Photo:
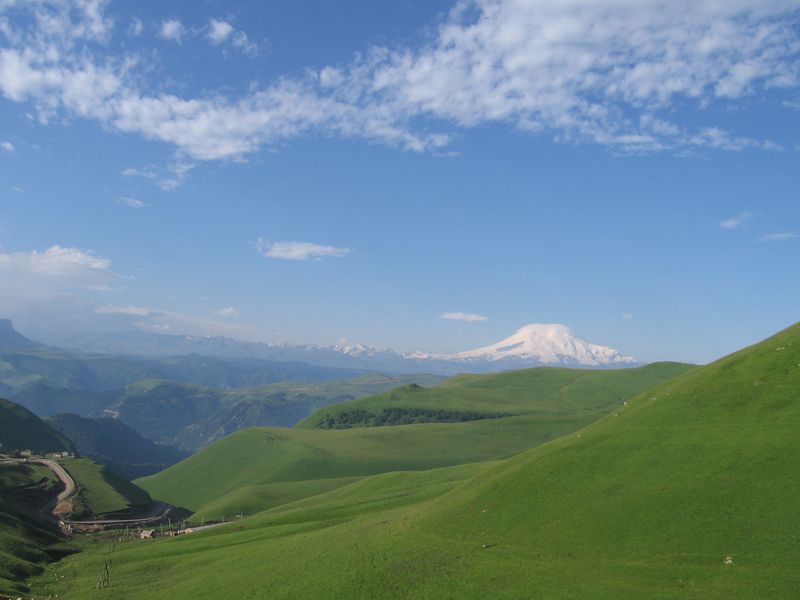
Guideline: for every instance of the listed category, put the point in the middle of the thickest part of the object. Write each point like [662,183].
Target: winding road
[158,510]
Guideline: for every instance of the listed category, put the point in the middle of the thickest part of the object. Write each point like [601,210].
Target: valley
[456,481]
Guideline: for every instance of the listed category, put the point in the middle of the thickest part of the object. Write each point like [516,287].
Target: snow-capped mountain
[530,346]
[548,344]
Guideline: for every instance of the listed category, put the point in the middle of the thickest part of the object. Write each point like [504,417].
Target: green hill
[543,391]
[688,491]
[546,403]
[27,541]
[26,545]
[20,429]
[100,491]
[262,456]
[112,443]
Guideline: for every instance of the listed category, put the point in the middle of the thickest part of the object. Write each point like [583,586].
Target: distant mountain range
[530,346]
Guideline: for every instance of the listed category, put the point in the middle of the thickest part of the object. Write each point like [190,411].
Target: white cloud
[56,262]
[228,311]
[219,31]
[736,222]
[133,311]
[463,316]
[52,282]
[131,202]
[244,43]
[17,189]
[778,237]
[172,30]
[298,250]
[8,147]
[627,316]
[613,72]
[144,173]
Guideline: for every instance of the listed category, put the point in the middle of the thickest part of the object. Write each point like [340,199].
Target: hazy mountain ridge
[111,442]
[530,346]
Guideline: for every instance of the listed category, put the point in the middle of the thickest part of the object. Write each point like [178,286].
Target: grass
[549,403]
[688,491]
[100,490]
[543,391]
[25,545]
[266,455]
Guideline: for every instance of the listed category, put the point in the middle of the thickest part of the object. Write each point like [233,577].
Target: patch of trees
[359,417]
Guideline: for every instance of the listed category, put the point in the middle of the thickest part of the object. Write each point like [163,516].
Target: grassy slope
[542,391]
[646,503]
[20,429]
[100,490]
[556,402]
[24,545]
[260,456]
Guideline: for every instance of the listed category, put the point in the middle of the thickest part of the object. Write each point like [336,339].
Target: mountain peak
[548,343]
[13,341]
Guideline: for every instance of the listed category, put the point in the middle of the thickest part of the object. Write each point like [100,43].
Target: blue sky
[312,171]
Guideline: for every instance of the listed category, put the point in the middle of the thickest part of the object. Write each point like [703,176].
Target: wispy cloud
[228,311]
[610,73]
[172,30]
[778,237]
[736,222]
[136,27]
[8,147]
[627,316]
[131,202]
[147,173]
[133,311]
[298,250]
[463,316]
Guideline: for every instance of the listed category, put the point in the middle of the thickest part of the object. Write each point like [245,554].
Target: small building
[146,534]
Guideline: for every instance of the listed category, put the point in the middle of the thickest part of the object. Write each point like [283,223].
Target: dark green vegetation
[687,491]
[110,442]
[20,429]
[358,417]
[542,392]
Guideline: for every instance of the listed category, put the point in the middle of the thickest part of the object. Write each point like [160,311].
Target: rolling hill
[20,429]
[26,545]
[527,408]
[543,391]
[100,491]
[27,541]
[688,491]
